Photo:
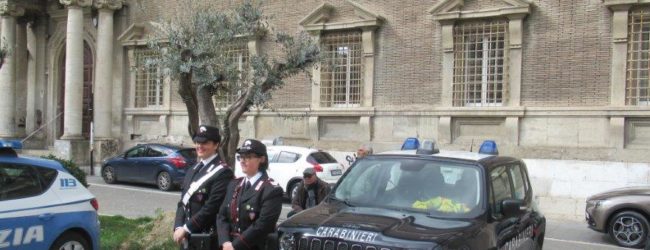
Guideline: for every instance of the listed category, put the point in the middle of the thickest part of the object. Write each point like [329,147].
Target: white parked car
[286,164]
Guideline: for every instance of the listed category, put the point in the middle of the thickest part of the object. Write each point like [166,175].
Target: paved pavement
[132,200]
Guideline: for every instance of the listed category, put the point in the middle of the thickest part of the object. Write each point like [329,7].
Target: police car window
[518,182]
[18,182]
[288,157]
[414,185]
[47,176]
[136,152]
[501,189]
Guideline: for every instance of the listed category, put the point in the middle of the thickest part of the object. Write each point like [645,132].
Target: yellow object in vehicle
[441,204]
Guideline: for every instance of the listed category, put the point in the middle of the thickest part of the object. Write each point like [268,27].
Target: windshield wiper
[345,201]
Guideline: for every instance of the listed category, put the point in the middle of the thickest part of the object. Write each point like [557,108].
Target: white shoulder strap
[198,183]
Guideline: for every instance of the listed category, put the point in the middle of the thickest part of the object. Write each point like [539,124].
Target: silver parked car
[621,213]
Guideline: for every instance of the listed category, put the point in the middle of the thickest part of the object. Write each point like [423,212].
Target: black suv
[407,200]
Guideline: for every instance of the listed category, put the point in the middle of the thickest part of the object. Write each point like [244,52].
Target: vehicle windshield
[437,188]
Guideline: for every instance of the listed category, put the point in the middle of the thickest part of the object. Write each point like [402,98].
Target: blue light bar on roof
[411,143]
[15,144]
[489,147]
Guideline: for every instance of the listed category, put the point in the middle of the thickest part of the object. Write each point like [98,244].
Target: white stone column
[103,87]
[21,77]
[74,64]
[36,42]
[8,13]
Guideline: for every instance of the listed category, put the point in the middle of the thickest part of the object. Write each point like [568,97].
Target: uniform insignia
[259,185]
[211,167]
[251,215]
[248,207]
[202,129]
[273,182]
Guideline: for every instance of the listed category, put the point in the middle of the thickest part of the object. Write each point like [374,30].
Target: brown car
[622,213]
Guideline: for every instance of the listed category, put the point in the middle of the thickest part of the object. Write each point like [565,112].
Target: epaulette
[272,182]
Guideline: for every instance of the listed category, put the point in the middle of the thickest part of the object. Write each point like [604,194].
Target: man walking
[203,191]
[310,193]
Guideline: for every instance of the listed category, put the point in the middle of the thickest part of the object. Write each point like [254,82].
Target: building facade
[545,79]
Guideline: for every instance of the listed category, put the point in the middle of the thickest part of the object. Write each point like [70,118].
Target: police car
[42,206]
[424,199]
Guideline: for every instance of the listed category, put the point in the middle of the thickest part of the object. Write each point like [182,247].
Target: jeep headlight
[287,242]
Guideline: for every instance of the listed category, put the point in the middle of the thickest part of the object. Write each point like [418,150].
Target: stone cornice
[452,10]
[9,8]
[614,3]
[77,3]
[108,4]
[317,20]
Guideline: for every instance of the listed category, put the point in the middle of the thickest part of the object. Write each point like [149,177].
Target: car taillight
[95,204]
[178,161]
[318,168]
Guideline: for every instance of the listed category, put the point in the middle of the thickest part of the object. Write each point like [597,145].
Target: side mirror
[512,207]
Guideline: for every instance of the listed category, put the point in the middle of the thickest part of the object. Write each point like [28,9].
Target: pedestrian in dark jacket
[311,192]
[253,203]
[203,190]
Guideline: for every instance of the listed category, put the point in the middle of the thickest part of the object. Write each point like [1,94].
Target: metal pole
[92,148]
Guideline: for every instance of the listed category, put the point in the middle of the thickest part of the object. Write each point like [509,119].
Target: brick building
[545,79]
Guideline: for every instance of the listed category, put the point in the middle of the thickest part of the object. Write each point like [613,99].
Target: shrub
[71,167]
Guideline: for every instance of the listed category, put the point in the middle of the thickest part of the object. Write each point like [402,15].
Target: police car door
[523,192]
[505,228]
[507,190]
[25,217]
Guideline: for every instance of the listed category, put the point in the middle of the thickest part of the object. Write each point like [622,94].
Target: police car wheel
[629,229]
[108,174]
[164,181]
[70,241]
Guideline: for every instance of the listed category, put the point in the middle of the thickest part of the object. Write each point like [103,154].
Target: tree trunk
[207,113]
[230,140]
[188,93]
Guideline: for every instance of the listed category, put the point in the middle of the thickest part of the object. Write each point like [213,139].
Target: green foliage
[71,167]
[195,46]
[118,232]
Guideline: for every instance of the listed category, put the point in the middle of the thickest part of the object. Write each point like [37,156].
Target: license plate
[336,172]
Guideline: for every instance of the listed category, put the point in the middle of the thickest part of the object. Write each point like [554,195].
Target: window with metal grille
[636,88]
[238,54]
[341,71]
[148,79]
[480,63]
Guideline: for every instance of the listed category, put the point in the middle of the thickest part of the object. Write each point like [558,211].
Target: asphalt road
[133,200]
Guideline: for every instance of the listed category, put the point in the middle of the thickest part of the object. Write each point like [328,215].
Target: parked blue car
[160,164]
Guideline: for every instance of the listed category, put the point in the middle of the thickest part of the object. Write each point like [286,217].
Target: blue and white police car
[42,206]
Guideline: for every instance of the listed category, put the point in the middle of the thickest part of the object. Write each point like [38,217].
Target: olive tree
[193,47]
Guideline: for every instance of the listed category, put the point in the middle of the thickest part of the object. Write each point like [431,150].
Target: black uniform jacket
[203,205]
[247,218]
